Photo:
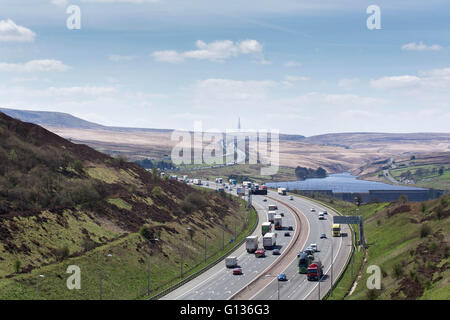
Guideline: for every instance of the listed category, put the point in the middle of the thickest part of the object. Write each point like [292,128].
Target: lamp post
[37,285]
[332,260]
[101,274]
[278,284]
[148,269]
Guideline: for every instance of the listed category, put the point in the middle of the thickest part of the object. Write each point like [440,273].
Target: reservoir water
[340,182]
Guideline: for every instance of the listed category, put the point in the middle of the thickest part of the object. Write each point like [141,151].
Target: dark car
[282,214]
[323,236]
[237,271]
[287,234]
[276,252]
[290,228]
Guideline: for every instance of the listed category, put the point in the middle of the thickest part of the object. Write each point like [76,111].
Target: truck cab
[315,271]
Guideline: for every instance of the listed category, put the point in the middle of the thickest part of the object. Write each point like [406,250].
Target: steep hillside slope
[62,202]
[409,241]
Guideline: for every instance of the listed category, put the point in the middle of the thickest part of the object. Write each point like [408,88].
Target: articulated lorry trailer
[251,243]
[269,240]
[271,216]
[266,227]
[277,221]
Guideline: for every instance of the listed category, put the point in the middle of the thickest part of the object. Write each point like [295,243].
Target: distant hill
[48,118]
[352,139]
[64,120]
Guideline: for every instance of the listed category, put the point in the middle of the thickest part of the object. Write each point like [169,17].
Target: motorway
[218,283]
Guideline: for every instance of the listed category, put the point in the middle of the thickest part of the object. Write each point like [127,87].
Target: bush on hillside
[425,230]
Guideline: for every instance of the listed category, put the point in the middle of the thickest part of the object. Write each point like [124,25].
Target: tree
[441,171]
[145,232]
[155,174]
[358,200]
[403,199]
[17,266]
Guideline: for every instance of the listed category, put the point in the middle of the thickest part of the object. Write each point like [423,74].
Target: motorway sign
[347,219]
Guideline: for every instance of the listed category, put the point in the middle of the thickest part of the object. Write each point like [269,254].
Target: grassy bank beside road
[125,272]
[409,242]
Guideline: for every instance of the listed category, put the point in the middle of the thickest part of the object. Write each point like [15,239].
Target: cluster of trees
[423,172]
[303,173]
[149,164]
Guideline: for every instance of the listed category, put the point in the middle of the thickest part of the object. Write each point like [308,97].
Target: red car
[237,271]
[260,253]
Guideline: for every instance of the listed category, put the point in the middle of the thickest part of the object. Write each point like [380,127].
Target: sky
[300,67]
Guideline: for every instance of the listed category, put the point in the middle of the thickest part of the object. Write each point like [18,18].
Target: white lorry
[271,216]
[269,240]
[197,182]
[277,221]
[282,191]
[231,262]
[251,243]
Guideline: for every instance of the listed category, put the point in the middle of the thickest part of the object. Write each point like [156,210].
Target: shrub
[187,207]
[397,270]
[17,266]
[145,232]
[423,207]
[373,294]
[155,174]
[88,245]
[63,253]
[157,191]
[425,230]
[196,200]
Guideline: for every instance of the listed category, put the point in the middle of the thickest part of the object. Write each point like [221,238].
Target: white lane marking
[221,270]
[332,261]
[290,263]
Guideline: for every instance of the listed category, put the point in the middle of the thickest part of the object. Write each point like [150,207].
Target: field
[244,171]
[335,153]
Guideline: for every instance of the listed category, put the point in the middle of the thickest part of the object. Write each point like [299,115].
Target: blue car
[282,277]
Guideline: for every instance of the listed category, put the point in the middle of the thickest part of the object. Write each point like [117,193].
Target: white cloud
[291,64]
[118,58]
[170,56]
[34,66]
[216,51]
[11,32]
[436,78]
[396,82]
[79,90]
[60,2]
[119,1]
[348,82]
[413,46]
[227,93]
[295,78]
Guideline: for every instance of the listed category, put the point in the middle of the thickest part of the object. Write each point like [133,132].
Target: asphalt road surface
[218,283]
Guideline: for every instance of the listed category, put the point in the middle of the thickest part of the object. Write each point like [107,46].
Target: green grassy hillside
[409,241]
[65,204]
